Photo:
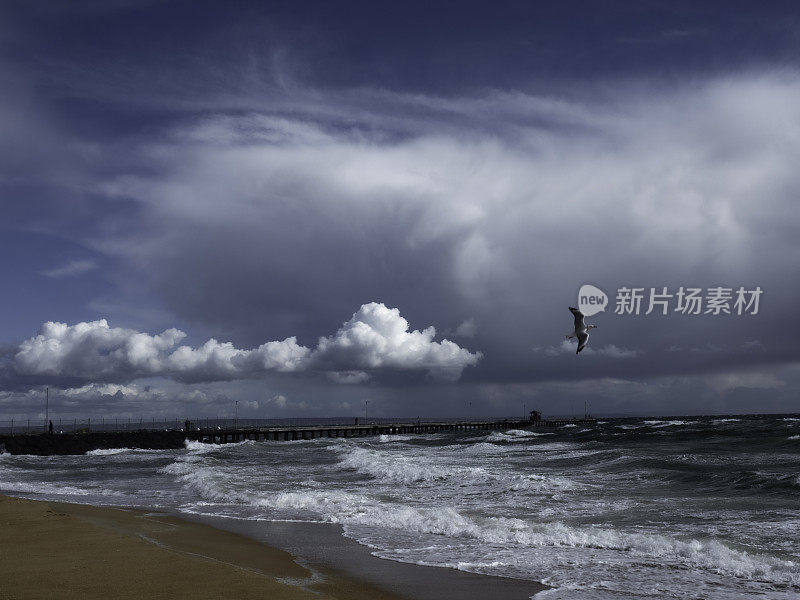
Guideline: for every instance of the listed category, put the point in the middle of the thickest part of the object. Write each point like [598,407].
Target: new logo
[591,300]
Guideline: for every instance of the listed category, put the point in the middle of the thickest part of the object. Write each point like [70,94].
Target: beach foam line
[712,555]
[47,490]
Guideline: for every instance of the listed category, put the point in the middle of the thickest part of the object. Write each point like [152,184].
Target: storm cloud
[499,228]
[263,173]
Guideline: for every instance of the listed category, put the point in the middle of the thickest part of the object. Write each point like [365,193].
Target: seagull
[581,329]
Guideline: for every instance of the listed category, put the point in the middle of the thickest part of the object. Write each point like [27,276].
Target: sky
[305,207]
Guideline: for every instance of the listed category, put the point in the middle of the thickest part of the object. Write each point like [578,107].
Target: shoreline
[57,549]
[325,546]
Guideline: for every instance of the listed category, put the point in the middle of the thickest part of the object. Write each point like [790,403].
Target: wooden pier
[286,434]
[82,442]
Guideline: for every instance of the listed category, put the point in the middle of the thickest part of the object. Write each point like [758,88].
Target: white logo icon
[591,300]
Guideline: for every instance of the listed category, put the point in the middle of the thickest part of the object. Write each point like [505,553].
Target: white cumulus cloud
[375,337]
[379,337]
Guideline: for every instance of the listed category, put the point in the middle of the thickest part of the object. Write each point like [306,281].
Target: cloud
[461,205]
[753,346]
[723,382]
[466,328]
[71,269]
[278,400]
[102,389]
[614,352]
[378,337]
[375,337]
[470,206]
[349,376]
[567,347]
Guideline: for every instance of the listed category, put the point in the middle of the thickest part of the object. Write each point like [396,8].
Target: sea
[685,507]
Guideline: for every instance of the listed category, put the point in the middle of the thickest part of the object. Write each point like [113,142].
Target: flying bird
[581,329]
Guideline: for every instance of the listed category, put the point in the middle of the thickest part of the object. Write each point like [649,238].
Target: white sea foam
[354,509]
[398,468]
[209,483]
[50,490]
[520,433]
[108,451]
[204,447]
[514,435]
[199,447]
[485,448]
[383,438]
[391,466]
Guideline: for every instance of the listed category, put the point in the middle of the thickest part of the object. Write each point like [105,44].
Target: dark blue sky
[252,172]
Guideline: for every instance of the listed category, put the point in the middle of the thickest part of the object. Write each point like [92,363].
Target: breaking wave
[394,467]
[514,435]
[355,509]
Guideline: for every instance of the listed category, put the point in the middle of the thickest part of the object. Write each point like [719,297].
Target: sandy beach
[55,550]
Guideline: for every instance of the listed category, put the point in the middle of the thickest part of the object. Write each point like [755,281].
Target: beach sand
[55,550]
[59,550]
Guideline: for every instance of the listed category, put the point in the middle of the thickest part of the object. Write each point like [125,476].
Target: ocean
[692,507]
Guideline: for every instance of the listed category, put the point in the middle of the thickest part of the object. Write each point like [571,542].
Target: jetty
[80,442]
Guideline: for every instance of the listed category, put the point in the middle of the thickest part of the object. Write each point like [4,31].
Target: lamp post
[236,422]
[366,404]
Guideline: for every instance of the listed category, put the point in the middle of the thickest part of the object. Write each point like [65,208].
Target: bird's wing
[579,324]
[583,339]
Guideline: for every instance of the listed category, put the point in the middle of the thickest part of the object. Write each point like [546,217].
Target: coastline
[324,545]
[56,549]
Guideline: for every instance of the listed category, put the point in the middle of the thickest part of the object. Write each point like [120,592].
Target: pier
[285,434]
[84,441]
